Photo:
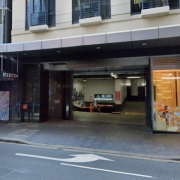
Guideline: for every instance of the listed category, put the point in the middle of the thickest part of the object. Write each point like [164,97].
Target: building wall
[121,20]
[97,86]
[121,85]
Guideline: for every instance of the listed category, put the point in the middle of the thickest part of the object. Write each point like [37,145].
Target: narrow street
[22,162]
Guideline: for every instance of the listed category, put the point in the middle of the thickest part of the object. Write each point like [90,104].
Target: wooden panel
[165,89]
[178,88]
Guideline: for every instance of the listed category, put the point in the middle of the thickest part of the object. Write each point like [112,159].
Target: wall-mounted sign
[4,76]
[24,106]
[103,97]
[118,96]
[56,101]
[9,75]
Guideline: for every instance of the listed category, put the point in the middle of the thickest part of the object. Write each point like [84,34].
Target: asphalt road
[22,162]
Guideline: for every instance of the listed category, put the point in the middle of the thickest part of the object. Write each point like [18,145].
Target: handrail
[153,3]
[39,18]
[88,10]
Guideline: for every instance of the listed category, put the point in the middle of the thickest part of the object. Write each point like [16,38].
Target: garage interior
[119,92]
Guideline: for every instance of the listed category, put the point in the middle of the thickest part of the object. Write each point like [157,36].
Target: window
[174,4]
[90,8]
[0,16]
[137,5]
[39,12]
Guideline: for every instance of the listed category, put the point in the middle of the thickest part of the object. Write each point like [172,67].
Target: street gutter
[95,151]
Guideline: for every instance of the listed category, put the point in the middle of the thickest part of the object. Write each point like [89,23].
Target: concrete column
[134,87]
[117,88]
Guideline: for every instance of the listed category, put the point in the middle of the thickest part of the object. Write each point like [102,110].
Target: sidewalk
[129,140]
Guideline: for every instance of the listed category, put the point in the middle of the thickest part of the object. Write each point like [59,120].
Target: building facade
[51,40]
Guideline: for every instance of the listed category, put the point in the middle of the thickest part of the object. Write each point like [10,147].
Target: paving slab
[129,140]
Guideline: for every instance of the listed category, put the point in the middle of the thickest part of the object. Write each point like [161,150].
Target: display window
[166,106]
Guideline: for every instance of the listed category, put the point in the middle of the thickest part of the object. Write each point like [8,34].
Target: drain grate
[24,132]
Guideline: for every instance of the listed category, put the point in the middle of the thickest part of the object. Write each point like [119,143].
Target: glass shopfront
[166,106]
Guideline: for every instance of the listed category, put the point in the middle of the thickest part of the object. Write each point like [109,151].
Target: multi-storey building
[56,40]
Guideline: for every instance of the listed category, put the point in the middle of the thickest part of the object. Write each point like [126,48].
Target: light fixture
[98,47]
[170,74]
[134,77]
[114,75]
[58,51]
[84,79]
[170,78]
[144,44]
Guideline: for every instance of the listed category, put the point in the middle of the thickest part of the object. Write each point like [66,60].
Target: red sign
[24,106]
[118,96]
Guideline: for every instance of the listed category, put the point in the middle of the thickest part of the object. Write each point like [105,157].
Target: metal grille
[153,4]
[166,63]
[39,18]
[88,10]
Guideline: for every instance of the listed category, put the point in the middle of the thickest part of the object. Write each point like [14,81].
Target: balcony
[90,13]
[150,8]
[39,22]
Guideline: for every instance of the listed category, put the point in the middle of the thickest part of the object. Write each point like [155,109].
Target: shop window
[90,8]
[166,108]
[39,12]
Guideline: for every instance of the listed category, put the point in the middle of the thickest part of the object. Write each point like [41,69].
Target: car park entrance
[110,95]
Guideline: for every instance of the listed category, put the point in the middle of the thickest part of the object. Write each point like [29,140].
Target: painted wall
[121,85]
[121,19]
[97,86]
[83,91]
[135,83]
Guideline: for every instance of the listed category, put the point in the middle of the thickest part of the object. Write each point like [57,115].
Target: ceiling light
[98,47]
[170,77]
[58,51]
[114,75]
[134,77]
[84,79]
[144,44]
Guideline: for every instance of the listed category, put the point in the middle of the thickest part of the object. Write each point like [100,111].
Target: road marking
[79,158]
[134,113]
[106,170]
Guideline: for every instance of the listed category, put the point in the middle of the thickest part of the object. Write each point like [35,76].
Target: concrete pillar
[117,88]
[134,87]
